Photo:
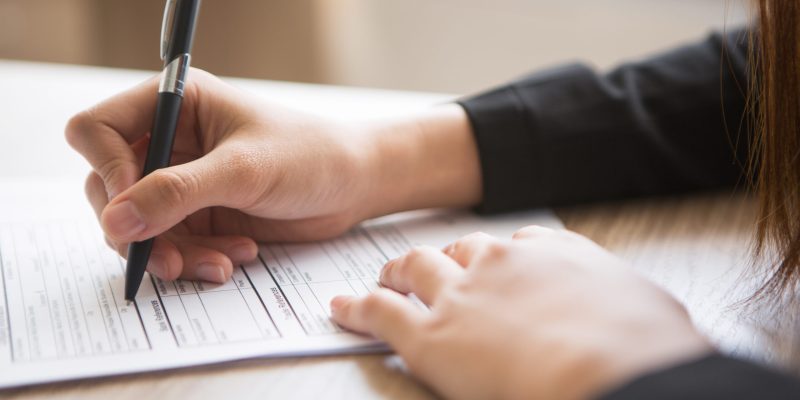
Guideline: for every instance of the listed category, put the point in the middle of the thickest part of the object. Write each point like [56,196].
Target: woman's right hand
[548,314]
[245,170]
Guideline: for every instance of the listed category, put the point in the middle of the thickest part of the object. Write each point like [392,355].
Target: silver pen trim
[173,78]
[169,13]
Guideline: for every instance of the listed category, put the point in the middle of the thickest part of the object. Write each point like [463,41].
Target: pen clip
[166,33]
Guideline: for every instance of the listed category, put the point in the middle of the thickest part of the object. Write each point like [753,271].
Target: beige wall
[256,38]
[465,45]
[457,46]
[48,30]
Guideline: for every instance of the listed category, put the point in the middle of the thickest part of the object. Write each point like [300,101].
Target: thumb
[165,197]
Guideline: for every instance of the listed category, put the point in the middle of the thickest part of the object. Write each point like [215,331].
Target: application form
[63,316]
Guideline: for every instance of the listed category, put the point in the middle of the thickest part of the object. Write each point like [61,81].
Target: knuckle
[373,302]
[495,250]
[416,255]
[76,125]
[174,188]
[112,171]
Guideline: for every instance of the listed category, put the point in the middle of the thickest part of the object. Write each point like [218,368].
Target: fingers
[165,197]
[98,198]
[129,114]
[96,193]
[207,258]
[165,259]
[238,249]
[201,263]
[103,134]
[384,314]
[422,271]
[464,250]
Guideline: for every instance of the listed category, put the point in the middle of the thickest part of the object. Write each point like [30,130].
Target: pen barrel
[162,136]
[165,122]
[138,256]
[182,29]
[159,152]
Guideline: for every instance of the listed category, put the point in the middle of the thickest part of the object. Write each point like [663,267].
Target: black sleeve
[710,378]
[668,124]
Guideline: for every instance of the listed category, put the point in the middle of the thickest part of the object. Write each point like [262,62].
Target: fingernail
[210,272]
[157,266]
[384,270]
[448,249]
[123,220]
[337,302]
[242,252]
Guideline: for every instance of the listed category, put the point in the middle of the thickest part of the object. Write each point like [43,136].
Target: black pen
[177,32]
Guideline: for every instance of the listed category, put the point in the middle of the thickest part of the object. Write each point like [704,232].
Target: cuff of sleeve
[502,132]
[712,377]
[510,143]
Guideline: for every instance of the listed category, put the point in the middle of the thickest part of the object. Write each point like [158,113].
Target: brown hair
[776,148]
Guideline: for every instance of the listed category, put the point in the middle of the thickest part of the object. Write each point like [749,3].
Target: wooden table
[618,227]
[59,91]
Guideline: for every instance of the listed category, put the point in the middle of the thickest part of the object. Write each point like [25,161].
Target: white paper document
[63,316]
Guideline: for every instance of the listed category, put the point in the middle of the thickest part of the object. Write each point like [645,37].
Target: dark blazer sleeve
[710,378]
[668,124]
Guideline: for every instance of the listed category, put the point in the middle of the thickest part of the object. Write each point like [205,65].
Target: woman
[246,171]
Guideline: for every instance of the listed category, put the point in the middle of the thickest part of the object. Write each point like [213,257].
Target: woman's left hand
[547,315]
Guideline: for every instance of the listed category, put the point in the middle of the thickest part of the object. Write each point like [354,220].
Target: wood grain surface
[617,226]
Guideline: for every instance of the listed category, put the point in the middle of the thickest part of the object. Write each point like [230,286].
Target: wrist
[427,161]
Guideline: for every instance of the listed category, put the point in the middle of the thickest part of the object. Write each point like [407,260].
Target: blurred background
[452,46]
